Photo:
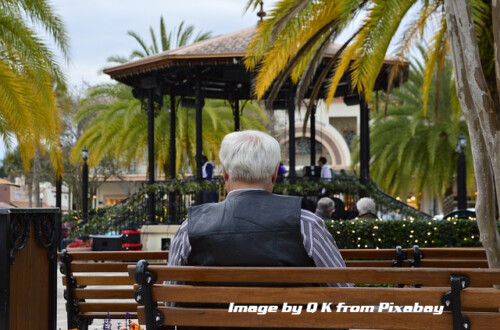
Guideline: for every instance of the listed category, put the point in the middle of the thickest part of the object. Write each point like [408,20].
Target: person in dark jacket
[252,226]
[325,208]
[366,208]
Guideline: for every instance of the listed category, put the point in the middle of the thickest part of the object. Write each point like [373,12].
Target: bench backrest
[95,280]
[467,294]
[416,257]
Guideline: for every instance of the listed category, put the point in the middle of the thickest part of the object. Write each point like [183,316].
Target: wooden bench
[102,288]
[98,286]
[466,295]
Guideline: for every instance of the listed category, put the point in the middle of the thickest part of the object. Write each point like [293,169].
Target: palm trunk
[484,128]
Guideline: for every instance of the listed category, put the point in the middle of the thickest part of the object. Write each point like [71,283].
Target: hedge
[369,234]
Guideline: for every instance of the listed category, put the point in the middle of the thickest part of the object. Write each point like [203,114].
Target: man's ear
[224,174]
[275,175]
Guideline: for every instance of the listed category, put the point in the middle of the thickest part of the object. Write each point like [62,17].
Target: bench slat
[371,263]
[103,280]
[441,263]
[450,253]
[428,277]
[112,315]
[472,299]
[87,307]
[221,317]
[119,255]
[103,293]
[108,267]
[368,253]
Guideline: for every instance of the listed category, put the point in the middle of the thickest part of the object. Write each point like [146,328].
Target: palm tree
[292,41]
[116,126]
[180,36]
[28,73]
[414,150]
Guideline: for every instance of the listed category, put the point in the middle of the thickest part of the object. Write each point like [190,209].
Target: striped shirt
[318,242]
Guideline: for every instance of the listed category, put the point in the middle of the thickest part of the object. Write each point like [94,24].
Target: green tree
[40,170]
[414,150]
[28,73]
[116,126]
[178,37]
[291,43]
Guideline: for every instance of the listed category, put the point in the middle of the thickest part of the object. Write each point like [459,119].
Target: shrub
[382,234]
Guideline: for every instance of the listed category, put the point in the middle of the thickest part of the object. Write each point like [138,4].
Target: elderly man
[253,227]
[325,208]
[366,208]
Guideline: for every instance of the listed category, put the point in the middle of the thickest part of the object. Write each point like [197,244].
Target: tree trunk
[485,203]
[495,15]
[484,128]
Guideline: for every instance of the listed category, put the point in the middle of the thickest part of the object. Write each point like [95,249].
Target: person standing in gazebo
[207,174]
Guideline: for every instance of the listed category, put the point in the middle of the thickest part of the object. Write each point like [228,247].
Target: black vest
[252,228]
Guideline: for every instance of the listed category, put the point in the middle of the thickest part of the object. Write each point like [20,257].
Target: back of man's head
[326,206]
[250,156]
[366,205]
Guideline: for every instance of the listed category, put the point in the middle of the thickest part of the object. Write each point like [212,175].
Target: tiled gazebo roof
[219,64]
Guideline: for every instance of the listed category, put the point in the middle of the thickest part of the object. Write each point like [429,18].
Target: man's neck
[236,185]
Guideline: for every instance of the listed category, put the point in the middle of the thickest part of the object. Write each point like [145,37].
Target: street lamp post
[85,184]
[461,173]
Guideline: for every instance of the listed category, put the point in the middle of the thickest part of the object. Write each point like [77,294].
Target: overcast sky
[98,28]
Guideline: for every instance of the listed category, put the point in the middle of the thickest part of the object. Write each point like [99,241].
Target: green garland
[118,214]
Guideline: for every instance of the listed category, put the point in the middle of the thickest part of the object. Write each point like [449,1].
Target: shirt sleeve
[319,244]
[180,247]
[179,251]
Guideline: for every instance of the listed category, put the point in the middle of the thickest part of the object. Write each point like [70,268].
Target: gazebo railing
[174,197]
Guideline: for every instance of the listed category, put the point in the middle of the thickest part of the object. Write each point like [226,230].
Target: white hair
[366,205]
[325,204]
[250,156]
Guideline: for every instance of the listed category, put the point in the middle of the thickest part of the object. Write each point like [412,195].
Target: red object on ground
[131,247]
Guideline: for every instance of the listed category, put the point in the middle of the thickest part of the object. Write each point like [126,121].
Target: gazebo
[214,69]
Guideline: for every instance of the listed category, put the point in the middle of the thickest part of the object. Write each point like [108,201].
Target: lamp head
[461,143]
[85,153]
